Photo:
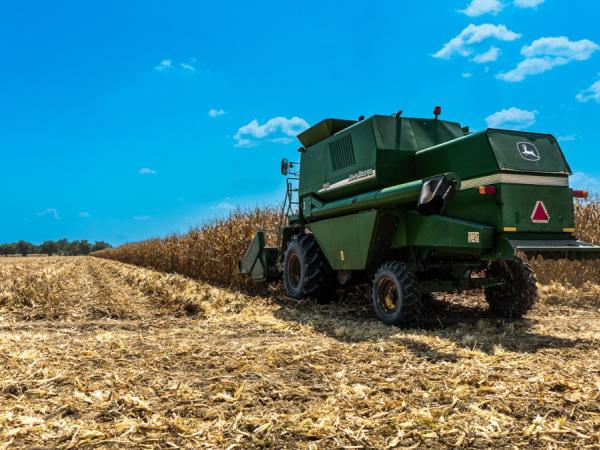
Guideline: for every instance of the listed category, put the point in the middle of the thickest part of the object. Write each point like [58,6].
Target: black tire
[395,294]
[517,292]
[306,272]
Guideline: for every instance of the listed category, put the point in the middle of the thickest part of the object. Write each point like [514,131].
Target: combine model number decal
[361,174]
[355,177]
[473,237]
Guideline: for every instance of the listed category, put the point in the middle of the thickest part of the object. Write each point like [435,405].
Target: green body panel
[322,130]
[471,206]
[551,159]
[350,242]
[518,203]
[443,233]
[346,241]
[470,156]
[513,207]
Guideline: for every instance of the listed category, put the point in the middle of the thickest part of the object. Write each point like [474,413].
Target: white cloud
[474,34]
[147,171]
[141,218]
[528,3]
[164,65]
[52,212]
[531,66]
[591,93]
[282,140]
[167,64]
[215,112]
[224,205]
[188,67]
[546,53]
[489,56]
[84,215]
[287,127]
[580,180]
[560,46]
[467,75]
[567,138]
[514,118]
[479,7]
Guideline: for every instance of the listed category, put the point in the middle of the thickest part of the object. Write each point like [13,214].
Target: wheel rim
[388,296]
[294,270]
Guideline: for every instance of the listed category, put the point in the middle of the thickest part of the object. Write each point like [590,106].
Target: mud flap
[260,262]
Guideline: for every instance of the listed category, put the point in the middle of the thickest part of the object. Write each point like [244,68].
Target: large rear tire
[306,272]
[395,294]
[517,292]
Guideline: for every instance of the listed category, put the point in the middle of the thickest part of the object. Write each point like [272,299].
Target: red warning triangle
[540,213]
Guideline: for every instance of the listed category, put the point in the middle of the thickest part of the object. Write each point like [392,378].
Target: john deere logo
[528,151]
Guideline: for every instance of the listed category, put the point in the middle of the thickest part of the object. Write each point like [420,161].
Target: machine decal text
[354,178]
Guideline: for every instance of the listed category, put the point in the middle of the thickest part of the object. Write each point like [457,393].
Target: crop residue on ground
[102,354]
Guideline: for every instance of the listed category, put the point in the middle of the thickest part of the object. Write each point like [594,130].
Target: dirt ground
[98,354]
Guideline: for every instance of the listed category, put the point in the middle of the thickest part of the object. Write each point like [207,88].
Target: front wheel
[306,272]
[395,294]
[516,292]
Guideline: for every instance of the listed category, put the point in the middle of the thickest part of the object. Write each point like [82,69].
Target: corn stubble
[101,354]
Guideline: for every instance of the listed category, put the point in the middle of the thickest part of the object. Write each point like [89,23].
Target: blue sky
[125,120]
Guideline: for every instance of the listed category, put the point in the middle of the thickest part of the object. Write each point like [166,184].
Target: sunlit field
[103,354]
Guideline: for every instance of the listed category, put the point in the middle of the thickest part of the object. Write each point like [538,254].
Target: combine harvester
[420,206]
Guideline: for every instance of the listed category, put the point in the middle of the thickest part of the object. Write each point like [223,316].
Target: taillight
[487,190]
[578,193]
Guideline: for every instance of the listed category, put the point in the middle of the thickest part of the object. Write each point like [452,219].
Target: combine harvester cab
[419,206]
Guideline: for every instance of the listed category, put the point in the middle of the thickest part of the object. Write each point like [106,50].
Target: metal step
[556,249]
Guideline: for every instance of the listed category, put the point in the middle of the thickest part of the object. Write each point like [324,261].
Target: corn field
[211,252]
[576,273]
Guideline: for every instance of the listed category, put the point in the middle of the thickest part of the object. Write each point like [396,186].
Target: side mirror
[285,166]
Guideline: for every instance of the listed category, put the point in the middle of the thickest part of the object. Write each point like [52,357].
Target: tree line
[60,247]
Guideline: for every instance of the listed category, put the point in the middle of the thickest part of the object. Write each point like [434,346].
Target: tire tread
[411,298]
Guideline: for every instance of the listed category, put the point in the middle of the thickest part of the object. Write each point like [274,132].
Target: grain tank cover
[494,151]
[413,134]
[323,130]
[521,151]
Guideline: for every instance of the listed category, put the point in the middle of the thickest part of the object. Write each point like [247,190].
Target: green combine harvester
[419,206]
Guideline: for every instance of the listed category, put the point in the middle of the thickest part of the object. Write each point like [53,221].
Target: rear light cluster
[491,190]
[577,193]
[487,190]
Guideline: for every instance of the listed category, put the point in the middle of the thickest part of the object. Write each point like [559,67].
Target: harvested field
[100,354]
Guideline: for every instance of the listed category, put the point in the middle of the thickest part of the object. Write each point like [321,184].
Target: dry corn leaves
[101,354]
[211,252]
